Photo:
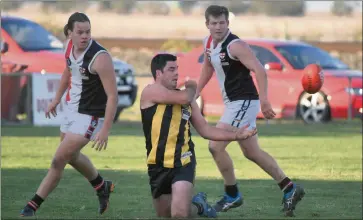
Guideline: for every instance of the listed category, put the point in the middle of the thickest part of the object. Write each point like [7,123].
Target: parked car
[28,43]
[284,62]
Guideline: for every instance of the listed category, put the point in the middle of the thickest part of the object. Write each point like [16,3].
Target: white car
[126,85]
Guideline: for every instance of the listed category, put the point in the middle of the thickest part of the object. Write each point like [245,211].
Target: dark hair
[159,62]
[216,11]
[75,17]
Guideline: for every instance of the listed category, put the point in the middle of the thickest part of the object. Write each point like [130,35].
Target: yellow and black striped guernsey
[167,133]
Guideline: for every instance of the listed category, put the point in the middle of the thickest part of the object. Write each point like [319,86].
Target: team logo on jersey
[82,71]
[185,112]
[186,155]
[222,56]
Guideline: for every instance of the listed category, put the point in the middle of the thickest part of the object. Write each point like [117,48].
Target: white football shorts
[241,112]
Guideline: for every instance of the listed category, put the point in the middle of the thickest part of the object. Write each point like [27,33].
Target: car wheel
[313,108]
[117,115]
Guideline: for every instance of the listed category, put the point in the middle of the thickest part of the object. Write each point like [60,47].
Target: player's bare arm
[103,66]
[206,74]
[156,93]
[245,55]
[63,85]
[214,133]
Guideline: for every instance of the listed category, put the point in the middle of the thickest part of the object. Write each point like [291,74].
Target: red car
[284,62]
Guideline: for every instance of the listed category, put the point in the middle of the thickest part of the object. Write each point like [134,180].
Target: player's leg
[36,201]
[78,131]
[252,151]
[103,188]
[83,165]
[232,198]
[162,205]
[222,158]
[181,202]
[160,184]
[292,193]
[183,205]
[79,161]
[72,143]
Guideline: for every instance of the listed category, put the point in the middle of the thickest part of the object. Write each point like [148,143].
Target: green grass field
[325,159]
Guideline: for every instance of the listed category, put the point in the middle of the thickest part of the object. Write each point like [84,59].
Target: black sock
[35,202]
[286,185]
[199,207]
[231,190]
[97,183]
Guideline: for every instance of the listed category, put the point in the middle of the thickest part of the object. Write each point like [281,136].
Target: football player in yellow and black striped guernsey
[166,116]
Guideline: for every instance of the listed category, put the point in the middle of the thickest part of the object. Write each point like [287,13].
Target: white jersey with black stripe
[86,94]
[233,76]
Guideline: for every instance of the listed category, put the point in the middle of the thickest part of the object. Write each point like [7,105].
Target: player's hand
[100,140]
[243,133]
[266,109]
[52,108]
[191,84]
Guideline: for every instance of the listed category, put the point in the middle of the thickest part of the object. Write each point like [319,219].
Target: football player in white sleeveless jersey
[232,60]
[91,107]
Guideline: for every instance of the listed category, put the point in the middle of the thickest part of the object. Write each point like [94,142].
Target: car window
[299,56]
[30,36]
[264,55]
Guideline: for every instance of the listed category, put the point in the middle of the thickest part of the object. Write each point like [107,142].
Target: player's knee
[74,158]
[180,213]
[215,148]
[58,163]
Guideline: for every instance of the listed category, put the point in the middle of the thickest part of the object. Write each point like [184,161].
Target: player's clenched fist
[190,84]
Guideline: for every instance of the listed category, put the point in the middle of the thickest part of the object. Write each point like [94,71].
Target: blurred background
[134,31]
[316,138]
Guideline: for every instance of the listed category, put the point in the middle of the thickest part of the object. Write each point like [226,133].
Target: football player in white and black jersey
[90,109]
[232,60]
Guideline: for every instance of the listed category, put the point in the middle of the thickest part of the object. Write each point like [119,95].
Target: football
[313,78]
